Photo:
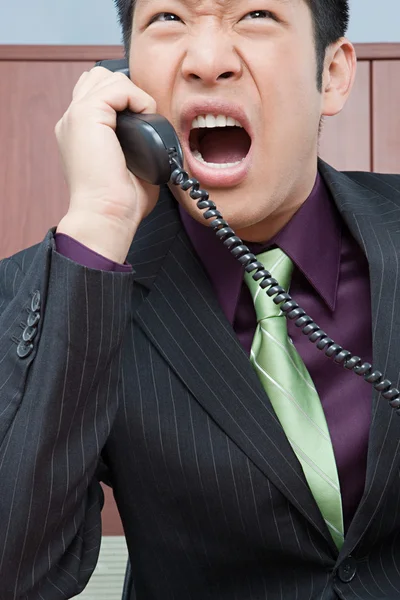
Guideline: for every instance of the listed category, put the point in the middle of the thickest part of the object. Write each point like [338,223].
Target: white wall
[58,22]
[375,21]
[95,22]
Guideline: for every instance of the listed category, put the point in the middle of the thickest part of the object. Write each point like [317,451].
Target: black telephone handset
[153,153]
[145,141]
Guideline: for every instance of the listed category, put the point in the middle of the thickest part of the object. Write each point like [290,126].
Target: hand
[107,202]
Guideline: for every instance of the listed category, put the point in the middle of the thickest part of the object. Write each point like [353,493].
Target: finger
[120,93]
[88,80]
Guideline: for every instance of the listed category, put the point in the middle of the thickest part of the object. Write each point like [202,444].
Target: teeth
[210,122]
[199,157]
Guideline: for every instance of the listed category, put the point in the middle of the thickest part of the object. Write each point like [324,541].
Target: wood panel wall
[33,97]
[346,141]
[36,84]
[386,126]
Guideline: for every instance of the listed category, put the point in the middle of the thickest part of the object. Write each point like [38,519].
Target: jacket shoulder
[387,185]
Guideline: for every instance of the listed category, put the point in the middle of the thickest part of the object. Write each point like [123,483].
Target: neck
[264,230]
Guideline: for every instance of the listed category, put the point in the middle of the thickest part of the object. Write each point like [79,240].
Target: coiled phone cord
[288,306]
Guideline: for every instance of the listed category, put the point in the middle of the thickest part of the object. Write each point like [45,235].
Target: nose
[211,58]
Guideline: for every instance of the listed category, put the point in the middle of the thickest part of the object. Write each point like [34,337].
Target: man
[126,334]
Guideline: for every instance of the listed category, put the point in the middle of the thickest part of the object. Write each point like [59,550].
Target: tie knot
[281,267]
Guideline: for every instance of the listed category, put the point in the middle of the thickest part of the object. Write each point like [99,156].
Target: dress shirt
[331,282]
[83,255]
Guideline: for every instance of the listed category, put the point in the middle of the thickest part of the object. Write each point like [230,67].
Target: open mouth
[219,142]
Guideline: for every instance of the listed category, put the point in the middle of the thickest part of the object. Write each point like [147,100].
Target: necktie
[293,395]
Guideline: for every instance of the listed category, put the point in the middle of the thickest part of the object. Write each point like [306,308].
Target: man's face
[254,62]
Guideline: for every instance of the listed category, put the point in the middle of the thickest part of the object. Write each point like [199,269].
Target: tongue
[224,145]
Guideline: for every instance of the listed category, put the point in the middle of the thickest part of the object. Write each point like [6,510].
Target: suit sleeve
[61,331]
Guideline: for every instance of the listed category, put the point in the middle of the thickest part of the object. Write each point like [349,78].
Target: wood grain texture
[110,518]
[386,116]
[346,138]
[49,52]
[388,51]
[33,97]
[36,84]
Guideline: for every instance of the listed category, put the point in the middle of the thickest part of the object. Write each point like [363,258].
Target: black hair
[330,17]
[331,20]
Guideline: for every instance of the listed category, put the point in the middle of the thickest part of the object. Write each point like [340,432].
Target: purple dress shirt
[83,255]
[330,278]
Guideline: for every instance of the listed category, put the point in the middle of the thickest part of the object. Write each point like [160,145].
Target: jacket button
[347,570]
[35,303]
[33,319]
[29,334]
[24,349]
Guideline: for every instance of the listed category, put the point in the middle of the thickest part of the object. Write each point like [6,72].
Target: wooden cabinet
[33,97]
[36,84]
[346,138]
[385,132]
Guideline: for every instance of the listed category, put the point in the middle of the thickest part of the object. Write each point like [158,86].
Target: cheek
[290,105]
[149,72]
[285,73]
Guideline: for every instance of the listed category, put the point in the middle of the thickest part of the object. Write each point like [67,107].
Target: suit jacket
[140,380]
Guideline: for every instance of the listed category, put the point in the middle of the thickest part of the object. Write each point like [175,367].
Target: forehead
[217,4]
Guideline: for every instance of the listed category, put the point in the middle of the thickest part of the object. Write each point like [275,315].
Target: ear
[338,77]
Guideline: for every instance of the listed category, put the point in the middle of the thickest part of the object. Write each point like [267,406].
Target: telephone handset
[146,141]
[153,153]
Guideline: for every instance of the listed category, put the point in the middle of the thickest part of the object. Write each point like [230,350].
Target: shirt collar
[312,239]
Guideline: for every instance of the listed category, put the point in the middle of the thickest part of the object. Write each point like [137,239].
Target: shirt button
[347,570]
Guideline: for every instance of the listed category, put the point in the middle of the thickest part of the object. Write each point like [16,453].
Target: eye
[260,14]
[165,17]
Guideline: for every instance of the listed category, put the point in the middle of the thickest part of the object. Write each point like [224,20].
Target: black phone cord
[288,306]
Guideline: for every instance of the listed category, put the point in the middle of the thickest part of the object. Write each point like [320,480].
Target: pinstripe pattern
[146,370]
[47,452]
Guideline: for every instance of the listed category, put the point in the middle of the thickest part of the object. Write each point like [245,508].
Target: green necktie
[293,395]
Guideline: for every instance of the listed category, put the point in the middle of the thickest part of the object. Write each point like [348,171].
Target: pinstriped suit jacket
[140,380]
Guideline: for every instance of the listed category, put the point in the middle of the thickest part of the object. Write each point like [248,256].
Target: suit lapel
[183,319]
[374,221]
